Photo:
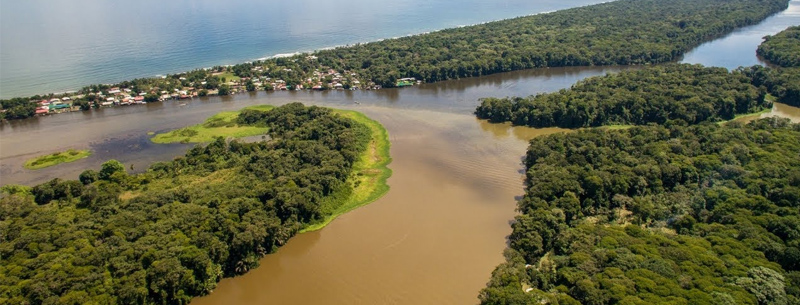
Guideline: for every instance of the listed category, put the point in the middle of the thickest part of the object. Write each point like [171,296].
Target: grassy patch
[222,124]
[615,127]
[746,117]
[369,173]
[228,76]
[71,155]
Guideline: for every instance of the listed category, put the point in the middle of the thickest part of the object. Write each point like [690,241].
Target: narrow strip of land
[624,32]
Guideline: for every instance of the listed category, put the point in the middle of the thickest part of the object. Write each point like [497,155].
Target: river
[433,239]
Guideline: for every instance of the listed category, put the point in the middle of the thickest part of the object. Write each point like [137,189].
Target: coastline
[285,54]
[314,70]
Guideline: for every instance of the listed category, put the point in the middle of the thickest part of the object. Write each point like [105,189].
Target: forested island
[172,232]
[624,32]
[674,93]
[704,214]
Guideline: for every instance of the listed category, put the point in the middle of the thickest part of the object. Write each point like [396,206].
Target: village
[221,80]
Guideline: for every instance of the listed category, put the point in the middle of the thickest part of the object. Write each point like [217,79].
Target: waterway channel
[433,239]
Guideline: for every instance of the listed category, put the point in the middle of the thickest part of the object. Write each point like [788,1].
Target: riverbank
[222,124]
[436,56]
[53,159]
[235,201]
[368,178]
[369,173]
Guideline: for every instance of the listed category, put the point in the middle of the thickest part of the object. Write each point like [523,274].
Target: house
[58,106]
[114,91]
[139,99]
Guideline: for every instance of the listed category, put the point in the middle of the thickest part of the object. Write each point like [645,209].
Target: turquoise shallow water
[60,45]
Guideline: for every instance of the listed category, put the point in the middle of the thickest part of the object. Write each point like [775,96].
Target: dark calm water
[739,48]
[59,45]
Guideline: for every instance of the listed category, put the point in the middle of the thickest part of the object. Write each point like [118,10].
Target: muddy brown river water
[433,239]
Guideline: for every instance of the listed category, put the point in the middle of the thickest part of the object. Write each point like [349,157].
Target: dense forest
[783,83]
[624,32]
[707,214]
[171,233]
[673,93]
[17,108]
[782,49]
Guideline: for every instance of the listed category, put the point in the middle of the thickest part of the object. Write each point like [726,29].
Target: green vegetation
[624,32]
[782,83]
[70,155]
[747,116]
[17,108]
[228,76]
[371,172]
[706,214]
[673,93]
[782,49]
[172,232]
[222,124]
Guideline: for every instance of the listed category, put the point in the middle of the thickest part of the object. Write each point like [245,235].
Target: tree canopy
[783,82]
[782,49]
[675,93]
[706,214]
[623,32]
[171,233]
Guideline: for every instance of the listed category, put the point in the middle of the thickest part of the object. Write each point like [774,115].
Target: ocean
[61,45]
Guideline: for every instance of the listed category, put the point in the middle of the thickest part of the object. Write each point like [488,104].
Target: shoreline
[320,70]
[73,90]
[370,172]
